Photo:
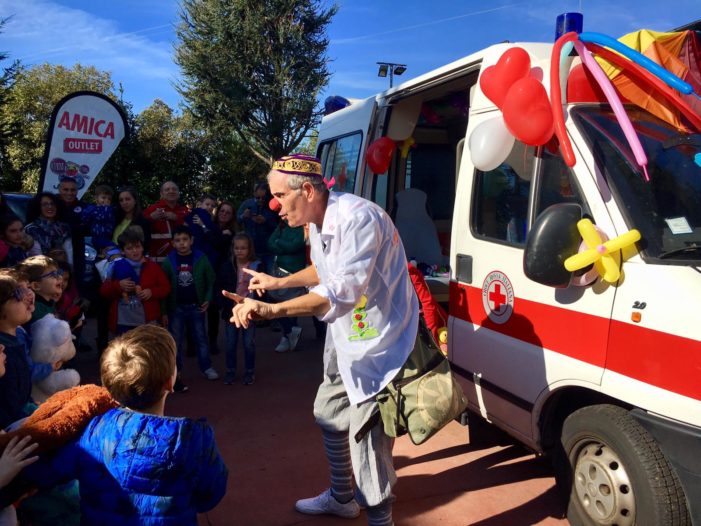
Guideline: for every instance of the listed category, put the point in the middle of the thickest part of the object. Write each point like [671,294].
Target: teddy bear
[52,341]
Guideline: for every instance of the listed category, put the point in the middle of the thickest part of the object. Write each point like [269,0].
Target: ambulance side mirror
[551,240]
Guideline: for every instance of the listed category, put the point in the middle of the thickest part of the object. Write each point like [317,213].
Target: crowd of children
[159,273]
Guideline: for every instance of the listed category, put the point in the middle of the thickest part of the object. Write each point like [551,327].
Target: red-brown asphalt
[273,449]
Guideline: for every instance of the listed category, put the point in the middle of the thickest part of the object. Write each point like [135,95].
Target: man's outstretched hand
[246,309]
[260,282]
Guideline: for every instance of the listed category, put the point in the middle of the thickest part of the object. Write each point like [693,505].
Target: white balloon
[490,144]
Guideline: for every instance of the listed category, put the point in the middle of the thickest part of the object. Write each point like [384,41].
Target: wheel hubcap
[602,485]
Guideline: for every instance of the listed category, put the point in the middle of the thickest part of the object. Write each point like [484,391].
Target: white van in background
[606,377]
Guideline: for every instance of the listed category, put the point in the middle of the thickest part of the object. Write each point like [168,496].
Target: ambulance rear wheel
[617,473]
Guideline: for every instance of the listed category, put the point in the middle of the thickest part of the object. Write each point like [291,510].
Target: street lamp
[392,69]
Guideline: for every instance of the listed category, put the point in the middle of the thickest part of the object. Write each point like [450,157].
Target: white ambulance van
[604,377]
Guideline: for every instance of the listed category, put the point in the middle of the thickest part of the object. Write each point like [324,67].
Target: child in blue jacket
[135,465]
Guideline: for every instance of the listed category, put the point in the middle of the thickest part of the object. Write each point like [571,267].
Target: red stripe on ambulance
[658,358]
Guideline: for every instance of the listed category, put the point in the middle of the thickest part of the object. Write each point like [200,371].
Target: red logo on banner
[82,145]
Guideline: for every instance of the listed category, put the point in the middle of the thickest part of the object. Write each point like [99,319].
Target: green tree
[171,146]
[255,68]
[27,112]
[7,78]
[309,145]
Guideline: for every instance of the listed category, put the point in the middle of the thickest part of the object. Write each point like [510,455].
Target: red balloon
[556,96]
[527,112]
[379,154]
[583,87]
[514,64]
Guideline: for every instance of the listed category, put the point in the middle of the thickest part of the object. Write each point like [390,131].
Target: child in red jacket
[136,287]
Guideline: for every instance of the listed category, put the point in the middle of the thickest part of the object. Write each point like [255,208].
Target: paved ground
[268,438]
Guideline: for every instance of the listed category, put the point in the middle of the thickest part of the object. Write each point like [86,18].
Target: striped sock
[380,515]
[338,455]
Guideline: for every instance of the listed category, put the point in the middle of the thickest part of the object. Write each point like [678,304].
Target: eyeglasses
[18,294]
[58,273]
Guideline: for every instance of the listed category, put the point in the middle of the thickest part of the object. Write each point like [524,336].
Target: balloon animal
[599,251]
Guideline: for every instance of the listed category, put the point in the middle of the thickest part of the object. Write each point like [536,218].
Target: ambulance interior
[418,190]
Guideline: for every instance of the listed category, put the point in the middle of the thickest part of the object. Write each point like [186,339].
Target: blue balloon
[669,78]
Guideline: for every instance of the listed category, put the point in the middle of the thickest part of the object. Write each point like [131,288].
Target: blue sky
[135,39]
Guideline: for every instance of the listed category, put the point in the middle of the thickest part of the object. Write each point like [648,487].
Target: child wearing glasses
[16,385]
[45,279]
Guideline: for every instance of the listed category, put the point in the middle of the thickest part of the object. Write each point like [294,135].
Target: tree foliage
[255,68]
[27,112]
[162,144]
[7,79]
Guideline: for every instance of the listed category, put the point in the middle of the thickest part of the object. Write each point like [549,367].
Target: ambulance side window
[340,157]
[556,183]
[500,198]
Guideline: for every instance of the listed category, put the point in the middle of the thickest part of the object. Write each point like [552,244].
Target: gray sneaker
[211,374]
[295,333]
[326,504]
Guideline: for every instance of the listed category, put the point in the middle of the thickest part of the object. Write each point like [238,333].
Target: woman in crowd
[225,219]
[226,228]
[128,212]
[52,235]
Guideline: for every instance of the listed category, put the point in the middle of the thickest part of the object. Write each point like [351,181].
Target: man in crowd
[164,216]
[359,267]
[70,213]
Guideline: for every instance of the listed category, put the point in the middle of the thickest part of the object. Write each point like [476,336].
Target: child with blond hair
[134,464]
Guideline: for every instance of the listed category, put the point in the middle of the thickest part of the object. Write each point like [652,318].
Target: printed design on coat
[360,325]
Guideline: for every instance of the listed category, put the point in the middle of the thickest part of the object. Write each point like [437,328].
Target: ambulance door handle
[464,271]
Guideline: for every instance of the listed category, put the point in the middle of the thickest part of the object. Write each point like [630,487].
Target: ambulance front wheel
[617,473]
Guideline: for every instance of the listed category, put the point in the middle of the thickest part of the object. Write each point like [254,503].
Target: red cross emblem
[498,297]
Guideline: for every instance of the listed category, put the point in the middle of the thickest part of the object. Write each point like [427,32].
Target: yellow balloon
[408,143]
[599,251]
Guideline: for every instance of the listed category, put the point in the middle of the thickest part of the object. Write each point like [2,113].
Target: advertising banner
[85,130]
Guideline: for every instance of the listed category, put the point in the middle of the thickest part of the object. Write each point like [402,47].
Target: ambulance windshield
[667,208]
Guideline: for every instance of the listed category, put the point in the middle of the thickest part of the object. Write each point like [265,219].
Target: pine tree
[255,67]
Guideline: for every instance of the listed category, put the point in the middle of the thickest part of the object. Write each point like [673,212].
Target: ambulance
[603,377]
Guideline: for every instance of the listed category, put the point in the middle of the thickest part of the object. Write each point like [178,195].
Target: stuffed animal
[52,341]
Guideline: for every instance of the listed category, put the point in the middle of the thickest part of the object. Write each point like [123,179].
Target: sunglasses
[58,273]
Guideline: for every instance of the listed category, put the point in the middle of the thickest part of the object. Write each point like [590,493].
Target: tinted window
[666,209]
[339,158]
[500,201]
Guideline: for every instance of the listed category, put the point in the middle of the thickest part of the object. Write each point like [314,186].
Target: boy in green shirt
[192,282]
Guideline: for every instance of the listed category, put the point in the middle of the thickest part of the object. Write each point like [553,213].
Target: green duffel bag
[424,396]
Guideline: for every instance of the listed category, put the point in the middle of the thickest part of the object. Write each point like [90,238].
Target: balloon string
[647,177]
[696,95]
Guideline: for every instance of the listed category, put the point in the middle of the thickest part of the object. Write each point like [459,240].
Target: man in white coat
[360,286]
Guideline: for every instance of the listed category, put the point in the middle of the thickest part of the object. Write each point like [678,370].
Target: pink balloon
[615,102]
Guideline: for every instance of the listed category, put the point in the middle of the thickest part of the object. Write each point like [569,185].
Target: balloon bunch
[523,101]
[638,64]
